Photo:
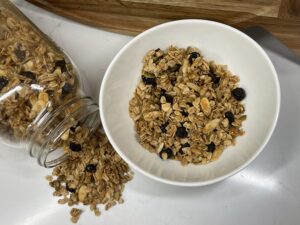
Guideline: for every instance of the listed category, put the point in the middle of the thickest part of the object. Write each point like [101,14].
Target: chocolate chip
[91,168]
[229,115]
[166,153]
[3,82]
[181,132]
[20,54]
[66,89]
[157,50]
[193,56]
[211,147]
[163,127]
[75,147]
[238,93]
[28,74]
[61,64]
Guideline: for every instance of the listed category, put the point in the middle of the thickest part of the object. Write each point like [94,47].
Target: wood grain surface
[280,17]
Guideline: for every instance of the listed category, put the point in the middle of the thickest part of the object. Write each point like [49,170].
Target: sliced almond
[205,106]
[165,107]
[211,125]
[65,136]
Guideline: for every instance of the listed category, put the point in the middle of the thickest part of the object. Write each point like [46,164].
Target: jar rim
[44,152]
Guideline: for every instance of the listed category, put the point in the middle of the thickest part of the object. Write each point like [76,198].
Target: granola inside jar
[41,97]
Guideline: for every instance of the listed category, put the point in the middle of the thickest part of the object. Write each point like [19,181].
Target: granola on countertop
[36,77]
[93,175]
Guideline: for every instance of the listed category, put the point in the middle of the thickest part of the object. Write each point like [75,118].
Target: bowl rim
[192,183]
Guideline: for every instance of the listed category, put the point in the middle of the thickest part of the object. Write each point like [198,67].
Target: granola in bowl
[186,108]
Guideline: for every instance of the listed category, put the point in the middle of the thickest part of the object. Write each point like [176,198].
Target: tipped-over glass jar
[42,102]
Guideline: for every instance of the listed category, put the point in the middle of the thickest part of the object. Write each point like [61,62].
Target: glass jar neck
[49,131]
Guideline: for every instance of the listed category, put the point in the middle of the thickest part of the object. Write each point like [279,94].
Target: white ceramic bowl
[218,42]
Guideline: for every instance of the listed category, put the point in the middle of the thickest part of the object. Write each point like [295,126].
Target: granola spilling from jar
[35,76]
[41,99]
[186,108]
[93,175]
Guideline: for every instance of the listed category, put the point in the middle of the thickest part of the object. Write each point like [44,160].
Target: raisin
[181,132]
[193,56]
[163,127]
[75,147]
[189,104]
[166,153]
[50,93]
[149,80]
[20,54]
[28,74]
[91,168]
[3,82]
[169,98]
[229,115]
[69,189]
[173,80]
[185,145]
[74,127]
[214,78]
[61,64]
[66,89]
[185,113]
[180,152]
[211,147]
[238,93]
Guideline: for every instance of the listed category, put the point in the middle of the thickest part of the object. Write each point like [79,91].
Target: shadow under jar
[42,102]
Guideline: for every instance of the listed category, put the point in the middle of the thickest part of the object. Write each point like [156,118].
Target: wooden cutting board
[280,17]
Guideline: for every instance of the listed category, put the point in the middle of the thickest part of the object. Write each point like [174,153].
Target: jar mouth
[49,152]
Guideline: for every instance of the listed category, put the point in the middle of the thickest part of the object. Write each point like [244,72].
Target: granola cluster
[186,108]
[93,175]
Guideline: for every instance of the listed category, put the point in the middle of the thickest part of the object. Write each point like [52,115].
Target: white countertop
[266,192]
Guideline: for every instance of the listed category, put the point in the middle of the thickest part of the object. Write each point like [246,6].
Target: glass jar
[41,96]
